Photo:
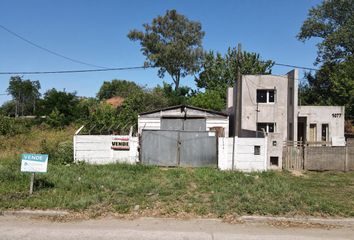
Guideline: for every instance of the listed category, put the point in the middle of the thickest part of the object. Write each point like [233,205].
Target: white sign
[34,163]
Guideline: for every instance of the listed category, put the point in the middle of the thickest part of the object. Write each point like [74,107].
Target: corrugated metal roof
[185,106]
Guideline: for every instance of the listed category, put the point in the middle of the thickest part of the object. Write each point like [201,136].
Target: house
[270,103]
[185,118]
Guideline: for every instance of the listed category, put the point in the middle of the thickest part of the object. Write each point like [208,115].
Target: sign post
[34,163]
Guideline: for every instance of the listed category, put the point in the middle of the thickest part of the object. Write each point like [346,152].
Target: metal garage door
[178,148]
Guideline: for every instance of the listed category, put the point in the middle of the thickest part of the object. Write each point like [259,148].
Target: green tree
[173,43]
[62,105]
[103,118]
[219,72]
[332,21]
[173,97]
[138,103]
[333,84]
[25,93]
[116,87]
[209,100]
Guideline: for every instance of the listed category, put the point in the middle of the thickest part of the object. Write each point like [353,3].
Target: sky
[95,31]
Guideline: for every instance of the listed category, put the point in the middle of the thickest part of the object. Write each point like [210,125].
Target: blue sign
[34,162]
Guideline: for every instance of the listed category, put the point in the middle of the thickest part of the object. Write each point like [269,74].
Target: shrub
[59,152]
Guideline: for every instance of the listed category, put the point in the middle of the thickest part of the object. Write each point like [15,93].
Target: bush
[59,152]
[11,126]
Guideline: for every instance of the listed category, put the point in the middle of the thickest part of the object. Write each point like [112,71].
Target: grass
[118,188]
[206,191]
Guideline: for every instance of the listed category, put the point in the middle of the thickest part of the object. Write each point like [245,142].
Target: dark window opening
[274,161]
[271,96]
[257,150]
[267,127]
[265,96]
[261,96]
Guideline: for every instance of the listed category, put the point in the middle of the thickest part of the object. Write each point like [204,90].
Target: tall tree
[25,94]
[219,72]
[333,22]
[173,43]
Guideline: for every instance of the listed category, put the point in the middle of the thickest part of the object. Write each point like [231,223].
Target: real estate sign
[34,163]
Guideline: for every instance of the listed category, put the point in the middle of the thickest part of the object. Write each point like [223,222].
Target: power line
[294,66]
[116,69]
[72,71]
[48,50]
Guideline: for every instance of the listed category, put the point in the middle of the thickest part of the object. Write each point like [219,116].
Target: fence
[320,157]
[293,155]
[244,154]
[103,149]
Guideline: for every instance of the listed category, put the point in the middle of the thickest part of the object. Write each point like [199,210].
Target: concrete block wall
[97,149]
[245,158]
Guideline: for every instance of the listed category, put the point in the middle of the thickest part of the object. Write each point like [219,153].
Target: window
[267,127]
[257,150]
[265,96]
[325,134]
[274,161]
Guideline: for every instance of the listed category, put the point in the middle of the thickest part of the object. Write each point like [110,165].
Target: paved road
[109,228]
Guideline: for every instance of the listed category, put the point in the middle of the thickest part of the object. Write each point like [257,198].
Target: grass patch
[119,188]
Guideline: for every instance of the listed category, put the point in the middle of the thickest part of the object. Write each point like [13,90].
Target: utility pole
[238,85]
[237,103]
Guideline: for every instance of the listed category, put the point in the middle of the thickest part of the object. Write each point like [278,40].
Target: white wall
[244,158]
[148,123]
[224,123]
[96,149]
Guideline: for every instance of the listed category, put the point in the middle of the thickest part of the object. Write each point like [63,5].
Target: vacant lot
[172,192]
[162,192]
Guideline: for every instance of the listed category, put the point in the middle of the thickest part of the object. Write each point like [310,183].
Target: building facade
[269,103]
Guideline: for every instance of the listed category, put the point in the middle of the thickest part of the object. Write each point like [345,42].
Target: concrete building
[269,103]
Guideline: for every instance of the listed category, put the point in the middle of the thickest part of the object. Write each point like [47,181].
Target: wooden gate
[293,155]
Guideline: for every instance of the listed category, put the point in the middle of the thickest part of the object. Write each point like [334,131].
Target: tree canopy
[219,72]
[121,88]
[25,93]
[333,84]
[173,43]
[333,22]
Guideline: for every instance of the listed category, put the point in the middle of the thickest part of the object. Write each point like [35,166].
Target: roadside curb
[311,220]
[34,213]
[245,219]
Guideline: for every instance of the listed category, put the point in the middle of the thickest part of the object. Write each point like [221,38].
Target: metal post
[31,184]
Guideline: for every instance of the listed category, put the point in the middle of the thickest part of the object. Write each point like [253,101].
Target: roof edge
[183,105]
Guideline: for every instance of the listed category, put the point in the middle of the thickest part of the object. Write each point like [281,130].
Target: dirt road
[145,228]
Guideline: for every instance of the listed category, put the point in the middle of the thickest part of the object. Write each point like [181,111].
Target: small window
[261,96]
[267,127]
[257,150]
[265,96]
[274,143]
[274,161]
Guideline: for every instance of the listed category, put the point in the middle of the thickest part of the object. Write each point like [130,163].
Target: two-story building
[269,103]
